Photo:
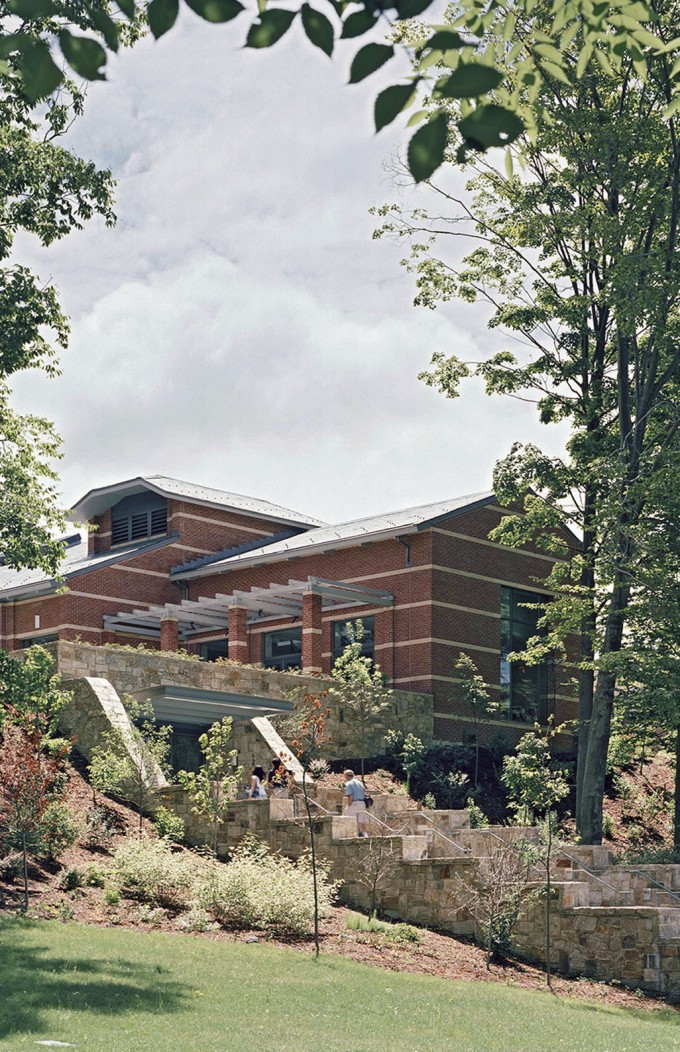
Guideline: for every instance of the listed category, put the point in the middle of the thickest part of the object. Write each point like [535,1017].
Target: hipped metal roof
[344,535]
[97,501]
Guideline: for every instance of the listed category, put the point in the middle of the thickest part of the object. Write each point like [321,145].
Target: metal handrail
[489,832]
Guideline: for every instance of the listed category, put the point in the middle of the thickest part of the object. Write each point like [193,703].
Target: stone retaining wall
[433,857]
[132,671]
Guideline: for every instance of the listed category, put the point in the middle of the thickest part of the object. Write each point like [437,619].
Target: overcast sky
[240,328]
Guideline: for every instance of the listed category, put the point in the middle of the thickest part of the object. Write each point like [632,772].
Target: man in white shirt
[356,801]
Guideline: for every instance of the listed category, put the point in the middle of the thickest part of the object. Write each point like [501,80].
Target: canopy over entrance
[197,707]
[206,614]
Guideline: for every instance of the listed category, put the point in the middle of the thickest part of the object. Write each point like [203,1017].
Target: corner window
[212,650]
[137,517]
[341,637]
[524,688]
[283,649]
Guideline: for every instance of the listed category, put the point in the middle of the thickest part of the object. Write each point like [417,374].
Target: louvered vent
[120,531]
[159,521]
[139,525]
[139,516]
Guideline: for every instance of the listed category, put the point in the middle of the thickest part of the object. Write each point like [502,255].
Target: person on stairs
[356,801]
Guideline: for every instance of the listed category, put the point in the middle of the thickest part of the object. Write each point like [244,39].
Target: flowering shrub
[150,871]
[264,891]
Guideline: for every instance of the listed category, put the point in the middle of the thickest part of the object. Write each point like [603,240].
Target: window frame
[515,707]
[284,661]
[366,650]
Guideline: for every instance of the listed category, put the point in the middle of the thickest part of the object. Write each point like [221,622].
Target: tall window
[524,688]
[341,637]
[137,517]
[283,649]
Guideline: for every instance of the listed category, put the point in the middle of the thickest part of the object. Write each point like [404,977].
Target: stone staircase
[608,922]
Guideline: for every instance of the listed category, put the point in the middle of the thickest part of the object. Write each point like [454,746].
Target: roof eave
[295,553]
[141,481]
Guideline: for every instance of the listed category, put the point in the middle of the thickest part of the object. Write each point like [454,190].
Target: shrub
[99,829]
[478,819]
[404,933]
[169,825]
[153,915]
[260,890]
[94,877]
[148,870]
[196,920]
[11,866]
[58,828]
[111,897]
[71,879]
[429,802]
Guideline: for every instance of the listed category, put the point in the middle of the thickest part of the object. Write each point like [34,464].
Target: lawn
[112,990]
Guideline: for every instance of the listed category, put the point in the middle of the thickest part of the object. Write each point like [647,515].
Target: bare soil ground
[435,954]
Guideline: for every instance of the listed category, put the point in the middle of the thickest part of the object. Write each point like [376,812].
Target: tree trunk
[548,893]
[312,842]
[586,679]
[676,809]
[24,852]
[592,786]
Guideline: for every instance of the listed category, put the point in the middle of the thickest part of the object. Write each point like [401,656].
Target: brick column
[311,632]
[237,619]
[169,634]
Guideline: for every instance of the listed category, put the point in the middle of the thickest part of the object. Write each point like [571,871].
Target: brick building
[176,565]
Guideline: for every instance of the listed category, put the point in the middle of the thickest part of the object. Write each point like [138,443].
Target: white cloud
[239,327]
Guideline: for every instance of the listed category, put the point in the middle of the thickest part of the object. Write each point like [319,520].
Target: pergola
[211,613]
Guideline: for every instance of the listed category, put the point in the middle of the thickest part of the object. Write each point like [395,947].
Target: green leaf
[583,60]
[391,102]
[469,81]
[272,25]
[28,9]
[162,15]
[555,71]
[85,55]
[355,25]
[127,7]
[39,72]
[318,29]
[106,26]
[417,118]
[216,10]
[490,125]
[672,109]
[426,148]
[443,40]
[509,166]
[411,8]
[367,59]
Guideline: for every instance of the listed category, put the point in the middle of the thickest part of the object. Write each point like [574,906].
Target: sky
[240,327]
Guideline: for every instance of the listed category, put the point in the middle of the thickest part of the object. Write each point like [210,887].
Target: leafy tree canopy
[465,59]
[574,249]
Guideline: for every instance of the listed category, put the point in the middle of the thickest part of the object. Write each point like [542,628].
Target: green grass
[109,990]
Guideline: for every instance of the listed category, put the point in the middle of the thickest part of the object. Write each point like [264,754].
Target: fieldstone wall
[96,708]
[136,670]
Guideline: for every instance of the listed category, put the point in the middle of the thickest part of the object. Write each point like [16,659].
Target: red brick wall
[445,601]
